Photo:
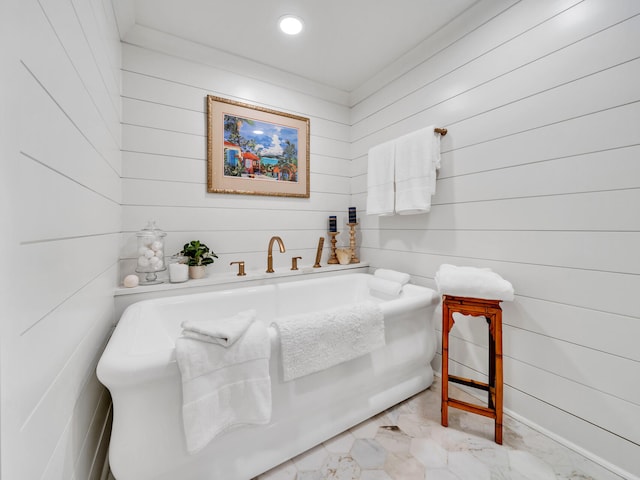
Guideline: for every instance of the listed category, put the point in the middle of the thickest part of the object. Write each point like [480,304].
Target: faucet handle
[240,268]
[294,263]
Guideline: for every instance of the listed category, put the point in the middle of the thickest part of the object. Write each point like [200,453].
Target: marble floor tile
[340,443]
[368,453]
[407,442]
[340,467]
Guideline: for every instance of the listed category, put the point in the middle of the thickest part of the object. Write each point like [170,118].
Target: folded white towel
[314,341]
[417,157]
[223,331]
[472,282]
[224,387]
[387,287]
[380,178]
[393,275]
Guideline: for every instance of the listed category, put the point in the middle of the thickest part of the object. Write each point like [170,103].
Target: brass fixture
[270,252]
[294,263]
[240,264]
[319,253]
[441,131]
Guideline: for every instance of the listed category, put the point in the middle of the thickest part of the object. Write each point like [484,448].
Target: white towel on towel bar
[417,157]
[312,342]
[224,387]
[380,179]
[472,282]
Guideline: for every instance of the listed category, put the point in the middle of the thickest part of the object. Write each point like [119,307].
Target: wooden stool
[490,309]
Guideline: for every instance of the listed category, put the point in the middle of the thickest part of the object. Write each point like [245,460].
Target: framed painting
[256,151]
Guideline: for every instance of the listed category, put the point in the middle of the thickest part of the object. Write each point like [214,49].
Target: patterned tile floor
[407,442]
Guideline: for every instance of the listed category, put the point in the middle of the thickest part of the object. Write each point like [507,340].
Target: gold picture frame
[253,150]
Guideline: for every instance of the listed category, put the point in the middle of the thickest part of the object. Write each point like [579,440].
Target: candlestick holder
[333,259]
[352,242]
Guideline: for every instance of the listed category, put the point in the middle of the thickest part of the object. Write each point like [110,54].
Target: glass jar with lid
[150,254]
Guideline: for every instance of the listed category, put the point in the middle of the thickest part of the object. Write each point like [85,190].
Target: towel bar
[441,131]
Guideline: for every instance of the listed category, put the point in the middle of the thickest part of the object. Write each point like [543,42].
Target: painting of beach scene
[256,151]
[260,150]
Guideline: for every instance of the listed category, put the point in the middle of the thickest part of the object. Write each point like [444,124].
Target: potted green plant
[199,256]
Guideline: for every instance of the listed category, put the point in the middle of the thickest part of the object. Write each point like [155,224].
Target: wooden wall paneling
[67,270]
[143,88]
[85,55]
[550,142]
[202,219]
[55,207]
[554,141]
[71,317]
[66,401]
[227,84]
[163,142]
[45,58]
[589,367]
[593,329]
[602,409]
[481,30]
[92,18]
[49,135]
[226,62]
[152,166]
[546,108]
[614,452]
[147,192]
[588,250]
[475,86]
[573,174]
[164,117]
[589,211]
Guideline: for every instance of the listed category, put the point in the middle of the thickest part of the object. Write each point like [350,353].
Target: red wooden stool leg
[446,322]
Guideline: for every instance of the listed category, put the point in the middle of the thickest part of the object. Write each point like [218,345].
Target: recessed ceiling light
[290,24]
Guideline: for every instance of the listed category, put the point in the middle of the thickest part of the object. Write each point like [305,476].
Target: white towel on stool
[472,282]
[380,178]
[224,387]
[417,159]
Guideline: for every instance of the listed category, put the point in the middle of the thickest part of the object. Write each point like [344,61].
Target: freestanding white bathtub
[139,368]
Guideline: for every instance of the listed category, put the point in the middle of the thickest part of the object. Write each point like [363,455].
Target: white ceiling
[343,44]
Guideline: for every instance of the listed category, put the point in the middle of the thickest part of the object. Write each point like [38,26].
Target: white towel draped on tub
[224,387]
[380,178]
[417,158]
[224,331]
[315,341]
[472,282]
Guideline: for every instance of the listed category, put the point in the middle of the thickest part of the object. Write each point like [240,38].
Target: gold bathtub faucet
[270,252]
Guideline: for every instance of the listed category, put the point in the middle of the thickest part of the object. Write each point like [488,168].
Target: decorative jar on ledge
[150,253]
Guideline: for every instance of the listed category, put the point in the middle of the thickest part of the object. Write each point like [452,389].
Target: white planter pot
[197,271]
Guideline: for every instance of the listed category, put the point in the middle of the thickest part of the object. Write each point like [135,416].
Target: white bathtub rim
[118,368]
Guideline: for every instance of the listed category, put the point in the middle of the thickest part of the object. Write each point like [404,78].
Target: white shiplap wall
[65,190]
[164,157]
[540,180]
